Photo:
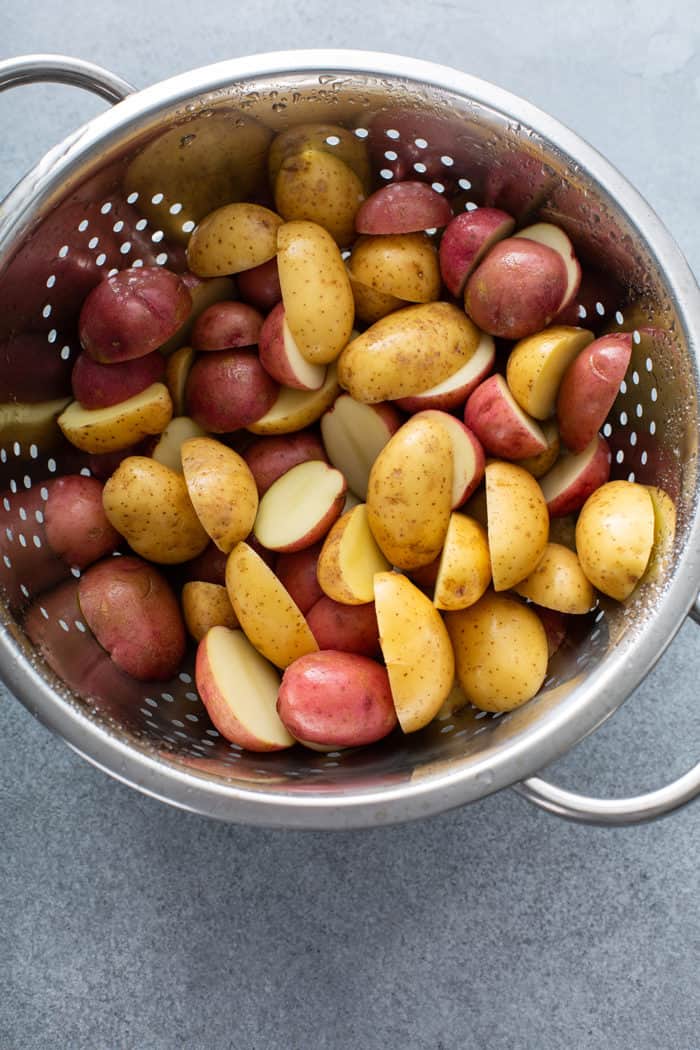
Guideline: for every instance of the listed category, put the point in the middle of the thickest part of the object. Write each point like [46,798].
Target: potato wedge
[148,504]
[615,536]
[295,409]
[222,489]
[536,367]
[118,426]
[518,523]
[403,265]
[318,301]
[464,572]
[168,447]
[500,648]
[409,496]
[206,605]
[407,352]
[558,582]
[320,188]
[416,649]
[350,559]
[272,622]
[233,238]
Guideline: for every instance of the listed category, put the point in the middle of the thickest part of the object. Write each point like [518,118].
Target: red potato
[345,628]
[403,207]
[226,326]
[517,289]
[575,476]
[75,523]
[426,576]
[452,392]
[589,388]
[205,291]
[554,237]
[132,313]
[207,567]
[297,571]
[554,624]
[97,386]
[32,369]
[300,507]
[135,616]
[336,699]
[228,389]
[271,457]
[500,423]
[281,358]
[260,286]
[540,464]
[468,458]
[467,240]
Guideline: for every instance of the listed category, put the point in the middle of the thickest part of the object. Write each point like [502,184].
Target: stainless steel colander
[82,212]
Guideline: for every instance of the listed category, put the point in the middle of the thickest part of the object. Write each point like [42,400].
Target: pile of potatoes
[361,435]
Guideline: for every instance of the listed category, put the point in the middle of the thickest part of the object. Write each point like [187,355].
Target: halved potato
[295,409]
[117,426]
[464,572]
[615,536]
[222,489]
[206,605]
[350,559]
[518,523]
[233,238]
[558,582]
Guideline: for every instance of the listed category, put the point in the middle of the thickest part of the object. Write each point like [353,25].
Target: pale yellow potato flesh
[168,448]
[518,523]
[536,366]
[409,496]
[664,534]
[270,618]
[407,352]
[150,506]
[559,582]
[354,434]
[615,536]
[233,238]
[222,489]
[350,559]
[403,265]
[117,426]
[206,605]
[333,139]
[465,567]
[416,648]
[299,506]
[321,188]
[318,303]
[296,409]
[500,649]
[539,465]
[455,701]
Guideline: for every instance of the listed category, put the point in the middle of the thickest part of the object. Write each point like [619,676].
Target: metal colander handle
[62,69]
[609,812]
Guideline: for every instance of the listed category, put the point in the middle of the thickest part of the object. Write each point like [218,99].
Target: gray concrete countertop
[126,925]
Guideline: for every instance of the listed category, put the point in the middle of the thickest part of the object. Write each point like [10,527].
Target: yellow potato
[615,536]
[204,293]
[500,648]
[117,426]
[295,409]
[537,364]
[177,369]
[222,489]
[558,582]
[407,352]
[518,523]
[206,605]
[416,649]
[321,188]
[233,238]
[333,139]
[318,305]
[454,702]
[149,505]
[30,424]
[349,559]
[269,617]
[409,496]
[403,265]
[464,572]
[370,305]
[203,164]
[664,534]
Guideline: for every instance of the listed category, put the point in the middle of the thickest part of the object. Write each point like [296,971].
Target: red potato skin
[336,699]
[345,628]
[589,388]
[554,624]
[207,567]
[403,207]
[297,571]
[517,289]
[260,286]
[491,418]
[226,326]
[426,576]
[135,616]
[466,240]
[97,386]
[103,464]
[272,356]
[228,389]
[132,313]
[595,474]
[271,457]
[32,369]
[75,523]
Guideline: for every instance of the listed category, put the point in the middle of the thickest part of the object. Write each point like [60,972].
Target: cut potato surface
[354,434]
[299,508]
[295,409]
[349,559]
[118,426]
[167,449]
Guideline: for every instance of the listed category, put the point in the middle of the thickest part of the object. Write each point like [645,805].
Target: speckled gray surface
[125,924]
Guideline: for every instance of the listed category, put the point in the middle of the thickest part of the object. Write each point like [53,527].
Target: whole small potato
[135,616]
[150,506]
[271,457]
[321,188]
[403,265]
[615,536]
[233,238]
[500,650]
[228,389]
[226,326]
[346,628]
[132,313]
[336,699]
